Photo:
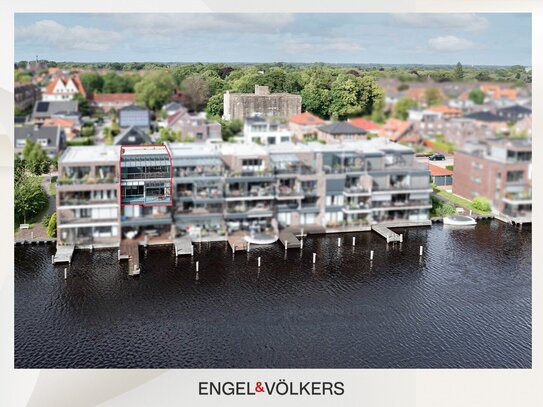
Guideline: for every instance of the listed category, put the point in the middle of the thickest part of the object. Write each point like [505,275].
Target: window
[43,142]
[20,143]
[515,176]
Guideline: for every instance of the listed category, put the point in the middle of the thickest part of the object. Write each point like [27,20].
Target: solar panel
[42,107]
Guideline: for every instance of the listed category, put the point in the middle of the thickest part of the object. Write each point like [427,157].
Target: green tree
[196,92]
[155,89]
[36,160]
[477,96]
[30,199]
[52,226]
[215,105]
[93,82]
[402,107]
[353,96]
[230,128]
[83,103]
[316,99]
[432,96]
[168,135]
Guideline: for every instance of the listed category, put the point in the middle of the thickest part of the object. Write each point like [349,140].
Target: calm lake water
[465,303]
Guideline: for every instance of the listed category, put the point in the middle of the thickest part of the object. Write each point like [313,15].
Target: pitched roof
[306,118]
[52,134]
[58,121]
[133,107]
[515,109]
[341,128]
[436,170]
[140,136]
[445,110]
[484,116]
[394,129]
[365,124]
[113,97]
[47,109]
[64,79]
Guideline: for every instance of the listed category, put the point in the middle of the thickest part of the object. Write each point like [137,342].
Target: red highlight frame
[120,177]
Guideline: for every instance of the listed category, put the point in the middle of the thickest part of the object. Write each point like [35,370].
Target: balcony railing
[145,175]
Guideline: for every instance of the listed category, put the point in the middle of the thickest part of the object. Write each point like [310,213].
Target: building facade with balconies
[499,169]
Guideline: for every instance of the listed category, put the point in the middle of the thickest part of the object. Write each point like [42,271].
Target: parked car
[436,157]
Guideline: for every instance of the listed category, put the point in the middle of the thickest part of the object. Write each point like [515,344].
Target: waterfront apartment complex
[499,169]
[227,187]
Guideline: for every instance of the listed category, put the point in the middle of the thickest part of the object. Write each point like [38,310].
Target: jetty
[237,241]
[183,246]
[388,234]
[129,250]
[289,240]
[64,254]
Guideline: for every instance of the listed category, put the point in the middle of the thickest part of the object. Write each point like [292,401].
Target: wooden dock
[289,240]
[183,245]
[64,254]
[304,230]
[388,234]
[129,250]
[237,241]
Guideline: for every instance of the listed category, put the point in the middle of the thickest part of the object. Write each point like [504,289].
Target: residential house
[398,130]
[514,113]
[304,125]
[265,131]
[63,88]
[367,125]
[132,136]
[441,177]
[111,101]
[46,110]
[340,132]
[26,95]
[71,127]
[194,125]
[51,139]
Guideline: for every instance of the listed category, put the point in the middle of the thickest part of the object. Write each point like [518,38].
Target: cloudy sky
[480,39]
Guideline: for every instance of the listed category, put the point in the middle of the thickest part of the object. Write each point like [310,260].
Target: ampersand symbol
[259,388]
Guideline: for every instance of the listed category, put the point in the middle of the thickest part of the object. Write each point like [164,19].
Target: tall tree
[92,82]
[477,96]
[195,91]
[402,107]
[30,199]
[155,89]
[432,96]
[458,72]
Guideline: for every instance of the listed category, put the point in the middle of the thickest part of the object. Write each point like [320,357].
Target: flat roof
[90,154]
[144,150]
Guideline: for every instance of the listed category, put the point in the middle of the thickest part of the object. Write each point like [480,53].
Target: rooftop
[90,154]
[341,128]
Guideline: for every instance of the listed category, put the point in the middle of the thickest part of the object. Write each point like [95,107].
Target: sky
[472,39]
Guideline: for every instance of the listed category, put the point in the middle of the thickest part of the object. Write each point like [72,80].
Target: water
[465,303]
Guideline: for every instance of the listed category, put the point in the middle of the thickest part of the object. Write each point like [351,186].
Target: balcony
[397,205]
[518,198]
[87,179]
[356,190]
[286,192]
[145,175]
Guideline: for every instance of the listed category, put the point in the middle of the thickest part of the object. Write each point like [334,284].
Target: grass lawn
[460,202]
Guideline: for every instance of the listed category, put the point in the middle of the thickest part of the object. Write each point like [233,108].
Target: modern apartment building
[223,188]
[266,131]
[499,169]
[87,196]
[146,175]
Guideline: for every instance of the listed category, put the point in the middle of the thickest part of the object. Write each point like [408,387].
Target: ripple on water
[465,303]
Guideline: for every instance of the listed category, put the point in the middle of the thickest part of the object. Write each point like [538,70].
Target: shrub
[45,220]
[52,226]
[481,204]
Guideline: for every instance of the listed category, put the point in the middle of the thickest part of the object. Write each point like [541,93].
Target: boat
[261,238]
[131,234]
[459,220]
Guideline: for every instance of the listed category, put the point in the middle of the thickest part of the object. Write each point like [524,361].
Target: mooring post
[314,257]
[52,259]
[420,251]
[248,247]
[302,232]
[65,273]
[286,245]
[233,248]
[371,255]
[258,261]
[401,237]
[197,266]
[338,241]
[302,243]
[354,241]
[191,250]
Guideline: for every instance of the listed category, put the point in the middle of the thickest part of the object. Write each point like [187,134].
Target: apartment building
[223,188]
[146,175]
[265,131]
[87,199]
[499,169]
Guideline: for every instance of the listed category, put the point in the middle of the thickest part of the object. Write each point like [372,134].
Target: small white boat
[131,234]
[459,220]
[261,238]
